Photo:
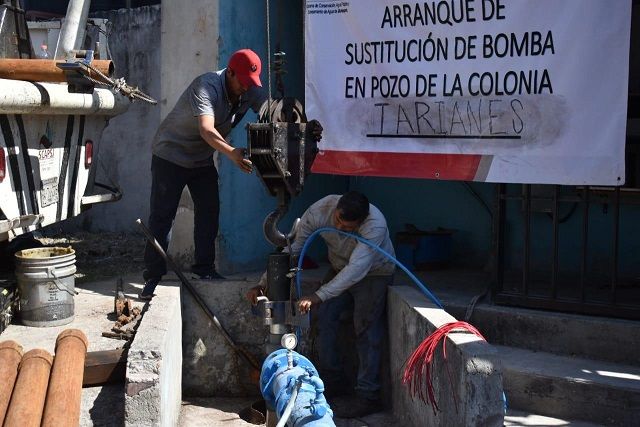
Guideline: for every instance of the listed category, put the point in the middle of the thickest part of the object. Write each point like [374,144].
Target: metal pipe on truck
[46,70]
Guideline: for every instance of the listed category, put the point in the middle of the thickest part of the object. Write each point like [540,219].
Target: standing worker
[358,278]
[183,148]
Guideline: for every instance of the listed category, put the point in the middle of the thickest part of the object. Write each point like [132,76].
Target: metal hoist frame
[282,147]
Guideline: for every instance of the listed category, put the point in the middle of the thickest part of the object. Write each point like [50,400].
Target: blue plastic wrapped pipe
[292,388]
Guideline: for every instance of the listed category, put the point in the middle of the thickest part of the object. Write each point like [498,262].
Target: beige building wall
[189,44]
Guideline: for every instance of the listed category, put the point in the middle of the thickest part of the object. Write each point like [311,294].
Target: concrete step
[559,333]
[515,418]
[571,387]
[591,337]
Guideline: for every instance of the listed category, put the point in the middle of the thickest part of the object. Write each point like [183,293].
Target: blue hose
[417,281]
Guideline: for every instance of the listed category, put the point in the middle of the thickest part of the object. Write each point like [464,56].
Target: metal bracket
[74,70]
[281,313]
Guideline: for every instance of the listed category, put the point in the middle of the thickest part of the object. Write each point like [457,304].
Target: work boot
[355,406]
[149,287]
[214,275]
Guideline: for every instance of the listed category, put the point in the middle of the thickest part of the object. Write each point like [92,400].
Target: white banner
[520,91]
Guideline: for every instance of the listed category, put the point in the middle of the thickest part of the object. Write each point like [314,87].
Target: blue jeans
[368,299]
[168,181]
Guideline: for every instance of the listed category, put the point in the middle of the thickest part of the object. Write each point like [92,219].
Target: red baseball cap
[247,66]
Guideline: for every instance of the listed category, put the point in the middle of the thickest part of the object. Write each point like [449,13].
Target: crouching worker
[358,279]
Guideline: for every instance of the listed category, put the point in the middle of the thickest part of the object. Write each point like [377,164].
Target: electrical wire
[477,196]
[418,373]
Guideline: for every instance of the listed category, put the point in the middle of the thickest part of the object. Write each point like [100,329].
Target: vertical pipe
[615,249]
[27,400]
[73,27]
[278,289]
[278,284]
[498,239]
[10,357]
[62,407]
[555,243]
[527,239]
[585,242]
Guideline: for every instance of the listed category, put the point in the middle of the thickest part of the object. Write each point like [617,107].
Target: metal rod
[527,239]
[555,243]
[615,249]
[498,239]
[585,243]
[241,351]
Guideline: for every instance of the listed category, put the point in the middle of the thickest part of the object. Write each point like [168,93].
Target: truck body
[49,136]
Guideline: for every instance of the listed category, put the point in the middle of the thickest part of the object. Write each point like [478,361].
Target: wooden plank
[104,367]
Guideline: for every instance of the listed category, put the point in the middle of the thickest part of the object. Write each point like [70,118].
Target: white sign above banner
[515,91]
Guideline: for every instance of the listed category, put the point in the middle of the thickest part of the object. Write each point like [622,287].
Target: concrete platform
[153,387]
[102,406]
[106,406]
[467,385]
[93,315]
[211,367]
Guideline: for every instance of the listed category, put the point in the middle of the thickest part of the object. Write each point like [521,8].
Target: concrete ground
[103,406]
[221,412]
[93,315]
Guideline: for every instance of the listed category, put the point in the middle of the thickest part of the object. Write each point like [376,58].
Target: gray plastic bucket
[46,284]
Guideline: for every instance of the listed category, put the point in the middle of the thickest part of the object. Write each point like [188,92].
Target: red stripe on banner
[461,167]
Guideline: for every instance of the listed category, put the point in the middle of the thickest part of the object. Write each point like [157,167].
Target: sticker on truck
[49,192]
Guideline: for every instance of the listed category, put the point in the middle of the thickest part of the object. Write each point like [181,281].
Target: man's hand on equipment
[237,157]
[308,301]
[253,294]
[315,129]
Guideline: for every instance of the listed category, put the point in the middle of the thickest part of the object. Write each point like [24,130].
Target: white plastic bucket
[46,285]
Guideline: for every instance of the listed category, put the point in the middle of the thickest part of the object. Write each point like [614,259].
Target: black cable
[568,214]
[477,197]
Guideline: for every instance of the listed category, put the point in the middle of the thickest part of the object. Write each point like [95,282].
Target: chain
[119,85]
[268,62]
